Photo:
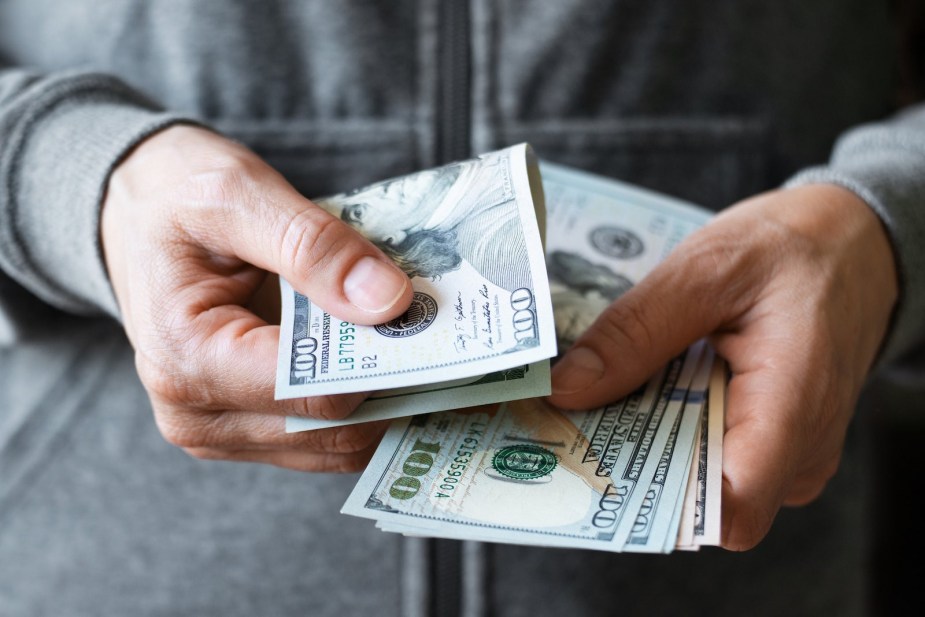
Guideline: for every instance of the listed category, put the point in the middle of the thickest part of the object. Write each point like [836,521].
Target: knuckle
[212,196]
[351,464]
[348,439]
[626,326]
[719,266]
[175,433]
[206,454]
[161,382]
[830,468]
[810,486]
[180,429]
[712,260]
[329,407]
[313,241]
[169,375]
[321,463]
[213,190]
[806,494]
[221,178]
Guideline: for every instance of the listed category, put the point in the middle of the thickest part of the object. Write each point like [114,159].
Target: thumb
[682,300]
[276,229]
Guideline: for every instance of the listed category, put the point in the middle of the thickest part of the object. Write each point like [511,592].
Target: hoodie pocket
[321,159]
[713,161]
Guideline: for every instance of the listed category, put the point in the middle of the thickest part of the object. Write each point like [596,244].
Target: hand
[795,289]
[191,225]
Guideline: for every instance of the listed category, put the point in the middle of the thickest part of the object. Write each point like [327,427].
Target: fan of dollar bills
[477,453]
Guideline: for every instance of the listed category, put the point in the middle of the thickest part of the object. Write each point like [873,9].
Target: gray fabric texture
[882,164]
[710,100]
[51,194]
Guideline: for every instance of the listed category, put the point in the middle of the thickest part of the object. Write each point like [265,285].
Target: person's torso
[710,101]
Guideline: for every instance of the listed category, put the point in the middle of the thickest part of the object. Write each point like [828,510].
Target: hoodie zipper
[454,104]
[453,142]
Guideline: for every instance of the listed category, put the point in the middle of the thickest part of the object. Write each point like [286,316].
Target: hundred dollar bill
[689,509]
[515,474]
[604,237]
[619,435]
[527,473]
[622,233]
[700,522]
[635,456]
[655,527]
[468,234]
[671,541]
[635,473]
[509,385]
[685,538]
[707,522]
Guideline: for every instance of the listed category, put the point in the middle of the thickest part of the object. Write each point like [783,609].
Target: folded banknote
[480,328]
[642,474]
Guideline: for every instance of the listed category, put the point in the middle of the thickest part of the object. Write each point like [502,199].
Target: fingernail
[374,286]
[579,369]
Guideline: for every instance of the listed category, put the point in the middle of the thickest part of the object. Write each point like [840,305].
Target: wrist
[852,245]
[837,219]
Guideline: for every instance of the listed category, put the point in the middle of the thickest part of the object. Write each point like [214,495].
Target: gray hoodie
[708,100]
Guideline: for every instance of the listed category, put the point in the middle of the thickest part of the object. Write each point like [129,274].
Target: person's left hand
[795,290]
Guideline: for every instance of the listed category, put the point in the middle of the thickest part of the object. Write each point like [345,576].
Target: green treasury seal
[524,462]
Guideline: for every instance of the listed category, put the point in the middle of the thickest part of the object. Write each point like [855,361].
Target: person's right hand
[192,224]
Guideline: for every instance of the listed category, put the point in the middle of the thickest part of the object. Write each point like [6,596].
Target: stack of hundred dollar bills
[503,278]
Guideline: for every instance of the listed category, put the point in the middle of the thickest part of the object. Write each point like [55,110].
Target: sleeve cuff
[887,171]
[60,146]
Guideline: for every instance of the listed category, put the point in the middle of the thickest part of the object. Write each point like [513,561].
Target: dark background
[898,421]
